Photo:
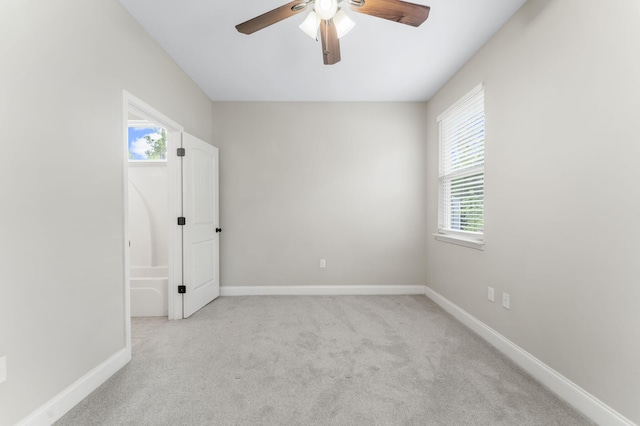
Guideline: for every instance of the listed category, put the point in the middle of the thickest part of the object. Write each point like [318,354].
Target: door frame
[132,104]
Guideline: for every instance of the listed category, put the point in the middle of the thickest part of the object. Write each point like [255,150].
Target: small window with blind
[461,173]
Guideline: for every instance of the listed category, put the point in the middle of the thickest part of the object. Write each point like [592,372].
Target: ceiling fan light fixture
[311,25]
[343,23]
[326,9]
[329,22]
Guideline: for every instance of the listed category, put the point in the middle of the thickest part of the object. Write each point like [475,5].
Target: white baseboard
[582,400]
[59,405]
[322,290]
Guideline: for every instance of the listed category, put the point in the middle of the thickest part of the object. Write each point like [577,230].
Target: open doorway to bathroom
[152,182]
[149,212]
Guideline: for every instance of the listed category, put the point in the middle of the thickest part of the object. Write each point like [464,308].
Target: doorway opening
[148,217]
[152,196]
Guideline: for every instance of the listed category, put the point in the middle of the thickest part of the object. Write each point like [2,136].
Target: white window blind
[461,177]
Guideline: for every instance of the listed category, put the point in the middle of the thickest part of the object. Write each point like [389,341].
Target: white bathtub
[149,287]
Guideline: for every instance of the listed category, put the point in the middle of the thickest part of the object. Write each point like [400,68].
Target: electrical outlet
[323,263]
[3,369]
[506,301]
[490,294]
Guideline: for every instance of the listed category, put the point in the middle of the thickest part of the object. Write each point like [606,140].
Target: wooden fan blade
[271,17]
[394,10]
[330,42]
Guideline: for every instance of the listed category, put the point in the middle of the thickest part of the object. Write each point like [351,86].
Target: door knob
[218,229]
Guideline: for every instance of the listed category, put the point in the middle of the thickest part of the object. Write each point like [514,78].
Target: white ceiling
[381,60]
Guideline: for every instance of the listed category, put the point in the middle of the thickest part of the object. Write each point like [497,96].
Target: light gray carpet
[344,360]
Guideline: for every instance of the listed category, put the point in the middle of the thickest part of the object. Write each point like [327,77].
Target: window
[146,141]
[461,174]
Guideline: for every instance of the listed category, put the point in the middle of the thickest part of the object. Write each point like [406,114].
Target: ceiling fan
[329,20]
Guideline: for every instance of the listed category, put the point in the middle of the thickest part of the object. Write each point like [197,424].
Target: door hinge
[182,289]
[182,221]
[181,152]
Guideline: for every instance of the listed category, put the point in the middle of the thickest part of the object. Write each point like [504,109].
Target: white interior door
[200,234]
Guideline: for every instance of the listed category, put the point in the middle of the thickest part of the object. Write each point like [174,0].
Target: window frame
[465,238]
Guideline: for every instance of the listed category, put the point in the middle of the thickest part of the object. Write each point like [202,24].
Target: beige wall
[64,65]
[562,200]
[305,181]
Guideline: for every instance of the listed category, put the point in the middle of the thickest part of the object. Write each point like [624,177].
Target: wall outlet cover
[506,301]
[490,294]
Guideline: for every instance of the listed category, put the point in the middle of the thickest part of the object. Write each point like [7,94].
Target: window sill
[461,241]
